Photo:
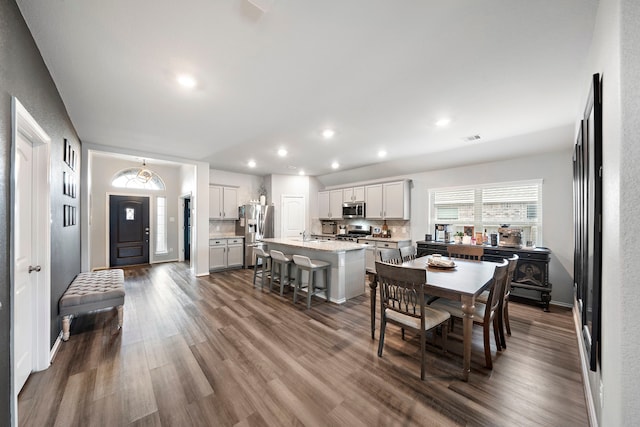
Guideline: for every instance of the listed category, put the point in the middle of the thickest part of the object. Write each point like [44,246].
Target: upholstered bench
[92,291]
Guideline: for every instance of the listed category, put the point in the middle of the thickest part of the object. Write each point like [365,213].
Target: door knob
[36,268]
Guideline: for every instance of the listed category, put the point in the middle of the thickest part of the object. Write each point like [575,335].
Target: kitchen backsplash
[222,228]
[398,228]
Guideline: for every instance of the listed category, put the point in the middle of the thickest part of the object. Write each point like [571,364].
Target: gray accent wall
[24,74]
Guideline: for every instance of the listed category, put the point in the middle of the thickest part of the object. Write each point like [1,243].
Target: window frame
[532,230]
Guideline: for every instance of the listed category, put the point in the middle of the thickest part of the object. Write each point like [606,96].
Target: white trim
[591,409]
[24,123]
[55,348]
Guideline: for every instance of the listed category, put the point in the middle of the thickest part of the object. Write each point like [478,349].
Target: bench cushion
[92,291]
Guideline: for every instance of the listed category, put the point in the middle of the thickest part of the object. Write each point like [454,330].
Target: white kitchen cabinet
[396,200]
[226,253]
[330,204]
[373,199]
[223,202]
[235,255]
[390,200]
[229,203]
[353,194]
[217,254]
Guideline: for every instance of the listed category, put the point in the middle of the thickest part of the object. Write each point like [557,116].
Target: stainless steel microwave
[353,210]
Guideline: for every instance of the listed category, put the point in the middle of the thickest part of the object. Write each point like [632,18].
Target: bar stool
[263,259]
[304,263]
[280,268]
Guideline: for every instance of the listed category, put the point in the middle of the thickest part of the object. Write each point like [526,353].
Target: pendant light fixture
[144,174]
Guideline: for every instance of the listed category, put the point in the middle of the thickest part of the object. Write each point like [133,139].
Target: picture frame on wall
[587,178]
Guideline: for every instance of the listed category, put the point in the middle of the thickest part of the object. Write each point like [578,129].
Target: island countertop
[318,245]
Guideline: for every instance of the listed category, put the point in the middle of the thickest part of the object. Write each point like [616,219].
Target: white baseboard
[561,304]
[54,349]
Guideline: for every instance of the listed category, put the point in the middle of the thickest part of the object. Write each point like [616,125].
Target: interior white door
[25,279]
[293,216]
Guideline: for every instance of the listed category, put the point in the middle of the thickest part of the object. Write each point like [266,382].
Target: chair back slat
[465,252]
[408,253]
[390,256]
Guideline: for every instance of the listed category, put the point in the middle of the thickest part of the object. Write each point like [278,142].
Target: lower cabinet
[372,245]
[235,254]
[225,253]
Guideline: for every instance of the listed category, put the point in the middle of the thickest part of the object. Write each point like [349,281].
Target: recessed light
[282,152]
[186,81]
[300,172]
[251,164]
[382,153]
[328,133]
[335,165]
[443,122]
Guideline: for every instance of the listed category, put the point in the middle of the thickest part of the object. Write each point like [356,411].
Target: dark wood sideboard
[532,272]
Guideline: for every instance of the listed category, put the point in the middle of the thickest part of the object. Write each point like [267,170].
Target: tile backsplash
[222,228]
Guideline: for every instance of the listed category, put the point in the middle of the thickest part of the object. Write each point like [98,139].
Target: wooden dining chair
[485,315]
[465,252]
[402,302]
[503,313]
[390,256]
[408,253]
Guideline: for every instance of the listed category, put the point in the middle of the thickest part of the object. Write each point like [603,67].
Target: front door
[128,230]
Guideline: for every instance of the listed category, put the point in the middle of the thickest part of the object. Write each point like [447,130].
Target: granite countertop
[221,236]
[318,245]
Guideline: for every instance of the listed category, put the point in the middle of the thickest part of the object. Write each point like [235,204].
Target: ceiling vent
[471,138]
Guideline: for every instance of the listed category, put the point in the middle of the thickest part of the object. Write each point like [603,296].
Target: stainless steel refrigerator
[255,224]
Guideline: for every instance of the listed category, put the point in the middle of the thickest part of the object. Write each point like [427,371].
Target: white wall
[614,54]
[102,172]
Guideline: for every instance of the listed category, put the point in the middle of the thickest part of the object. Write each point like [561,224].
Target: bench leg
[66,322]
[120,316]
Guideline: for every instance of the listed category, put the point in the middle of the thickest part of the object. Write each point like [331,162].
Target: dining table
[464,282]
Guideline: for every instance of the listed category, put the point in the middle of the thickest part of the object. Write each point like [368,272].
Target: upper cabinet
[391,200]
[330,204]
[353,194]
[223,202]
[373,199]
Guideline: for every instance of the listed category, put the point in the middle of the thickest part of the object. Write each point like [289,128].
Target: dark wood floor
[215,351]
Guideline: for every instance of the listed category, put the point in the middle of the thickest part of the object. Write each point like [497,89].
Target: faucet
[305,236]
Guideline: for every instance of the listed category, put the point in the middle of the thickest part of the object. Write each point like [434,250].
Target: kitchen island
[347,261]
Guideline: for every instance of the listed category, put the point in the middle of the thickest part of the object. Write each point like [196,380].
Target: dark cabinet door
[128,230]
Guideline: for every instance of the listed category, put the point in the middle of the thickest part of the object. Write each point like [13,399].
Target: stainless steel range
[354,232]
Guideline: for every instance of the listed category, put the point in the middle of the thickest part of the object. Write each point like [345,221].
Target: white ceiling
[379,72]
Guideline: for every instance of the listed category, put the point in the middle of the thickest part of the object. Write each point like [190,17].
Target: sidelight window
[486,207]
[161,225]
